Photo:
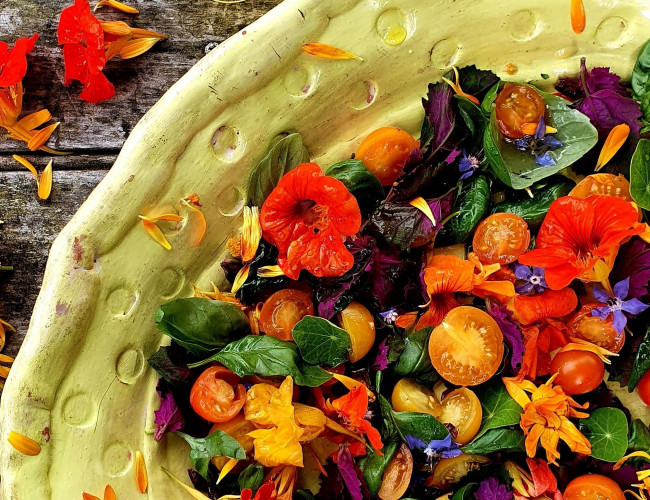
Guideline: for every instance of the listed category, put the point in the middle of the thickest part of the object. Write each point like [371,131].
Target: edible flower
[353,408]
[616,305]
[643,476]
[487,280]
[540,143]
[13,62]
[325,51]
[43,181]
[539,481]
[539,343]
[533,277]
[283,478]
[578,19]
[154,232]
[579,238]
[389,316]
[199,228]
[529,309]
[491,489]
[436,448]
[23,444]
[456,86]
[546,417]
[116,5]
[467,165]
[615,140]
[307,216]
[265,492]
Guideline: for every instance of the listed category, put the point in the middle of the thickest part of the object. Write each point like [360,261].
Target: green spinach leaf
[200,325]
[606,430]
[321,341]
[286,153]
[503,439]
[466,492]
[361,182]
[267,356]
[373,466]
[471,204]
[251,477]
[639,439]
[217,444]
[414,359]
[488,100]
[640,174]
[641,72]
[475,121]
[519,169]
[499,409]
[641,362]
[421,425]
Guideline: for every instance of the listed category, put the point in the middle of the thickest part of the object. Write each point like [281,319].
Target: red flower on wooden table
[13,62]
[307,216]
[580,238]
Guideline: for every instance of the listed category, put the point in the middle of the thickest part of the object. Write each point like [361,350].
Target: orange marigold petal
[199,228]
[30,122]
[578,18]
[88,496]
[23,444]
[109,493]
[240,279]
[137,47]
[251,233]
[458,89]
[584,345]
[116,5]
[40,137]
[117,28]
[140,33]
[230,465]
[406,320]
[141,477]
[167,218]
[25,163]
[422,205]
[270,271]
[325,51]
[156,233]
[615,140]
[45,182]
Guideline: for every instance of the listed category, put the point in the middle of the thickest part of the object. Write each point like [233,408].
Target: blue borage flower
[533,276]
[539,144]
[436,448]
[617,305]
[468,165]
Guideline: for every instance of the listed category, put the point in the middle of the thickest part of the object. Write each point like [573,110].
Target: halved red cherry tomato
[467,347]
[516,105]
[593,487]
[463,410]
[385,152]
[360,325]
[644,388]
[578,372]
[595,330]
[217,395]
[283,310]
[397,475]
[501,238]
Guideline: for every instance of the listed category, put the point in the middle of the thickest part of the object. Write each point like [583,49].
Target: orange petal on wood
[156,234]
[137,47]
[578,19]
[27,165]
[270,271]
[113,48]
[30,122]
[325,51]
[141,478]
[199,228]
[4,371]
[23,444]
[109,493]
[6,359]
[118,28]
[116,5]
[41,136]
[615,140]
[140,33]
[45,182]
[88,496]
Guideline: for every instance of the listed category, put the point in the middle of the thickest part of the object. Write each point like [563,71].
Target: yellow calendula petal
[45,182]
[30,122]
[118,28]
[195,493]
[140,469]
[577,344]
[140,33]
[615,140]
[155,233]
[27,165]
[251,233]
[241,278]
[5,324]
[109,493]
[137,47]
[422,205]
[516,391]
[23,444]
[6,359]
[352,384]
[230,465]
[325,51]
[270,271]
[40,137]
[635,454]
[200,226]
[4,372]
[116,5]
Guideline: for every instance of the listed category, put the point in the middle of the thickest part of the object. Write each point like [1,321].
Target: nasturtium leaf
[640,174]
[252,477]
[641,72]
[420,425]
[504,439]
[201,326]
[361,182]
[641,362]
[639,439]
[321,342]
[414,358]
[373,466]
[286,153]
[267,356]
[466,492]
[606,430]
[499,409]
[216,444]
[519,169]
[472,203]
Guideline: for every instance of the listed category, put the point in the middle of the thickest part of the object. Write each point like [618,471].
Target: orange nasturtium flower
[307,216]
[534,484]
[580,238]
[546,417]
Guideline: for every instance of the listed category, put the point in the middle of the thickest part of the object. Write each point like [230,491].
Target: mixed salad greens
[460,316]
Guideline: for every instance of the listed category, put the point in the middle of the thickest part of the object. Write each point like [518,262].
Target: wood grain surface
[93,134]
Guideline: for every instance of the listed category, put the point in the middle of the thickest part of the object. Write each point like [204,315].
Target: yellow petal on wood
[30,122]
[23,444]
[41,136]
[155,233]
[113,48]
[199,228]
[230,465]
[45,184]
[137,47]
[109,493]
[195,493]
[140,33]
[4,371]
[27,165]
[615,140]
[141,478]
[422,205]
[118,28]
[6,359]
[325,51]
[116,5]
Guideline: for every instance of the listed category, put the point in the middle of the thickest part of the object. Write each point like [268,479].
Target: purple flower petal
[602,312]
[620,320]
[415,443]
[545,160]
[492,489]
[552,143]
[522,272]
[439,444]
[466,175]
[634,306]
[622,288]
[540,131]
[525,288]
[451,453]
[601,295]
[348,472]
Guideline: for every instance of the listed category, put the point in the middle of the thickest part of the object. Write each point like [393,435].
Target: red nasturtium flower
[13,62]
[580,238]
[307,216]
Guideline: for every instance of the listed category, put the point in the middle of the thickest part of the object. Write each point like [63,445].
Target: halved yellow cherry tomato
[385,152]
[238,429]
[449,471]
[467,347]
[463,410]
[217,395]
[283,310]
[593,487]
[501,238]
[516,105]
[360,325]
[602,185]
[397,475]
[595,330]
[408,395]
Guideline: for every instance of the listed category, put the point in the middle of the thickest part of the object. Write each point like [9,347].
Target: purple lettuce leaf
[439,117]
[594,80]
[381,360]
[633,261]
[169,417]
[511,332]
[171,363]
[388,275]
[492,489]
[348,472]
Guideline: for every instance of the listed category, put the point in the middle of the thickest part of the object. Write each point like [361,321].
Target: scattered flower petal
[422,205]
[116,5]
[615,140]
[23,444]
[140,468]
[578,19]
[196,494]
[200,227]
[325,51]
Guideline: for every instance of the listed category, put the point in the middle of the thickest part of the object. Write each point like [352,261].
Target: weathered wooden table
[93,134]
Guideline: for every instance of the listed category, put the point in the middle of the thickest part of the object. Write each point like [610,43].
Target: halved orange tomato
[463,410]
